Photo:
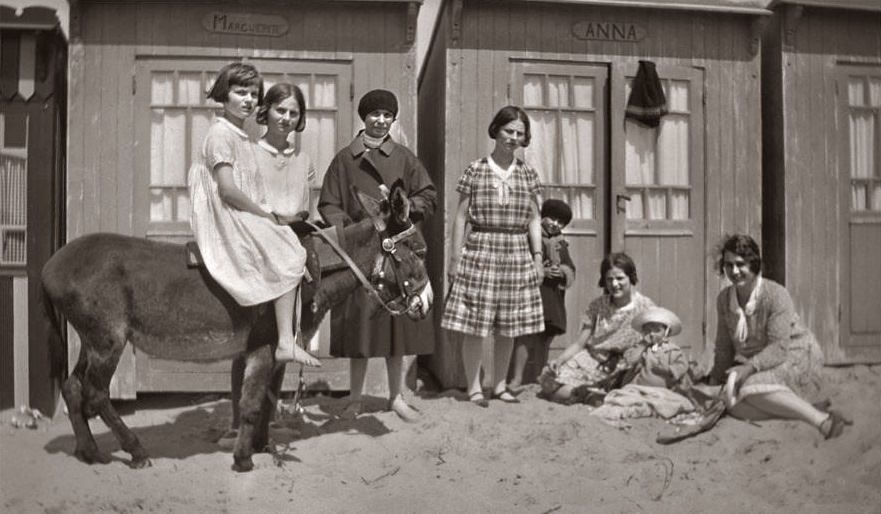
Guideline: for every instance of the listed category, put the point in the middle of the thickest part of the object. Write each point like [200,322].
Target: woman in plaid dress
[496,269]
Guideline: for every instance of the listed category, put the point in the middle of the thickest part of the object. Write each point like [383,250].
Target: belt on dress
[498,230]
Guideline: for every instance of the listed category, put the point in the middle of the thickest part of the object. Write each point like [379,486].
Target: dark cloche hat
[378,99]
[557,209]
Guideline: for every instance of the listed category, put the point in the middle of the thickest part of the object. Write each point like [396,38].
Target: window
[658,160]
[864,142]
[13,188]
[566,106]
[178,112]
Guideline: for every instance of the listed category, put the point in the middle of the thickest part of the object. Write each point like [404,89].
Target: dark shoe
[478,399]
[506,396]
[833,426]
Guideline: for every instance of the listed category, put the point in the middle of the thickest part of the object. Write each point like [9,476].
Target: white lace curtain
[864,99]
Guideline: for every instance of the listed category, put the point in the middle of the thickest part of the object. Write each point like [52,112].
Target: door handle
[620,203]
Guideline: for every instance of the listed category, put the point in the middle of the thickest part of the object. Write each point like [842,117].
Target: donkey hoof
[243,465]
[140,463]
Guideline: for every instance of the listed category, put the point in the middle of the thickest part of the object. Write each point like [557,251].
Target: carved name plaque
[245,24]
[608,31]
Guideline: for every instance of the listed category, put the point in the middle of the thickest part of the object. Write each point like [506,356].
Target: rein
[388,248]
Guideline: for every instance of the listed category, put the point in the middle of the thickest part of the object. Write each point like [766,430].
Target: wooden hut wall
[804,167]
[723,46]
[109,40]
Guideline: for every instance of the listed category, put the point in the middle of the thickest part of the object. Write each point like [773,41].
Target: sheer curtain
[865,192]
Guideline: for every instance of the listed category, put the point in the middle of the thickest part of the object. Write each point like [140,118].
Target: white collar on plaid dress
[741,331]
[502,179]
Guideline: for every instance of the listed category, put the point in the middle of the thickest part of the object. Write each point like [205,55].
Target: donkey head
[399,274]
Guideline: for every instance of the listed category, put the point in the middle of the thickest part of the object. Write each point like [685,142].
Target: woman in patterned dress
[761,340]
[496,269]
[606,332]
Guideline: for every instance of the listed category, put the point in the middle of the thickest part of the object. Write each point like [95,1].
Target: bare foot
[403,410]
[292,352]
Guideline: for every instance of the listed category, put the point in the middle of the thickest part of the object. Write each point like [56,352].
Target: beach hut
[664,195]
[138,113]
[821,104]
[32,131]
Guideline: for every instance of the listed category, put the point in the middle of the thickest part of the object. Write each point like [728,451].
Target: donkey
[113,289]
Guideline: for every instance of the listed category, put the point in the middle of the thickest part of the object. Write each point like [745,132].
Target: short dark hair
[279,93]
[236,74]
[743,246]
[621,261]
[506,115]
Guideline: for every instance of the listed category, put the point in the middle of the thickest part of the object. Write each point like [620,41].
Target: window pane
[875,92]
[558,91]
[532,96]
[634,206]
[677,95]
[189,88]
[160,205]
[14,247]
[161,88]
[583,90]
[876,197]
[855,91]
[13,190]
[672,152]
[657,205]
[325,91]
[167,144]
[183,205]
[318,140]
[639,153]
[201,120]
[271,79]
[858,197]
[679,205]
[303,82]
[541,150]
[583,204]
[577,154]
[862,144]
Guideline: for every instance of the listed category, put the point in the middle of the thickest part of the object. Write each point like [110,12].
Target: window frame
[845,74]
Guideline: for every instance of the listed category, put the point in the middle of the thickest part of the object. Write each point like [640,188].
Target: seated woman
[605,335]
[760,340]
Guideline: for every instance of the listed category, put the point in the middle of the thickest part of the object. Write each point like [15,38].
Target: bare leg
[397,371]
[521,355]
[501,359]
[785,405]
[357,376]
[472,355]
[287,349]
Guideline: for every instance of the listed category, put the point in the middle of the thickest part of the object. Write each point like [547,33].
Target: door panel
[658,207]
[175,115]
[860,103]
[567,107]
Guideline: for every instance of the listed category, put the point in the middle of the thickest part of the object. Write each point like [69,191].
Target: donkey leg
[98,393]
[258,368]
[72,390]
[267,408]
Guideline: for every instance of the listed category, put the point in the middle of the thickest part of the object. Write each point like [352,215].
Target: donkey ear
[400,205]
[372,207]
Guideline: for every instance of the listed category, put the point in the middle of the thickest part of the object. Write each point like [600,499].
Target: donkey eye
[420,252]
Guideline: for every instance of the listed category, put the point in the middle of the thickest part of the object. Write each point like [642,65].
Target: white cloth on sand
[636,401]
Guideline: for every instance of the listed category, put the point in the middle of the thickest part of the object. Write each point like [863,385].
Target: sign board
[245,24]
[608,31]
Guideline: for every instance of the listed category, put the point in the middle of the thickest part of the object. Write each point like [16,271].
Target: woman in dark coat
[372,160]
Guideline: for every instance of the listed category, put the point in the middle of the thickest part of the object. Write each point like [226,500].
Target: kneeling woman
[761,340]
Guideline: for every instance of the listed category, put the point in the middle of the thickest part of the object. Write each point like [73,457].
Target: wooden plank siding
[803,159]
[108,42]
[496,34]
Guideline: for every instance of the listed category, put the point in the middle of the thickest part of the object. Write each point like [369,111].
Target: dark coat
[353,332]
[555,252]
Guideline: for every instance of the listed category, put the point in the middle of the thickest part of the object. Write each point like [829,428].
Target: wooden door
[860,280]
[657,204]
[567,105]
[172,116]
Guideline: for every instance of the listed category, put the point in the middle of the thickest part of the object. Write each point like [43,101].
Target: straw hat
[658,315]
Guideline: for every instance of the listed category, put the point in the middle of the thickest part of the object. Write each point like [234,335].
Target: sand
[533,457]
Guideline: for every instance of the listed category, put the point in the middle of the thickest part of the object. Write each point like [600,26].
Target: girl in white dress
[246,247]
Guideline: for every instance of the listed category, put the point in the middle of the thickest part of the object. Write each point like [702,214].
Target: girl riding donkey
[247,248]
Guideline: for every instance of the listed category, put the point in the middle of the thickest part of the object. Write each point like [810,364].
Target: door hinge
[704,328]
[351,90]
[134,84]
[509,94]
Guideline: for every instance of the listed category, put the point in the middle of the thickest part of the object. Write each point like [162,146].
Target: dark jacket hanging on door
[647,102]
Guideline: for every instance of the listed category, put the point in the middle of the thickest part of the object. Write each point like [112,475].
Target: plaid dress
[496,288]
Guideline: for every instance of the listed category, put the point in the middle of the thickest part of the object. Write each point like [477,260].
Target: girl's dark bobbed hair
[621,261]
[742,245]
[278,93]
[235,74]
[506,115]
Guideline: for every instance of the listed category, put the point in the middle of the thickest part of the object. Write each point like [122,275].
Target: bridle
[408,299]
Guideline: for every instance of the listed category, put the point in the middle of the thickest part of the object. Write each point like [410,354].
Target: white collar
[241,133]
[287,152]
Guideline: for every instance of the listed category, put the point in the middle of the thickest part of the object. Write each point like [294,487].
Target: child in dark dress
[559,276]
